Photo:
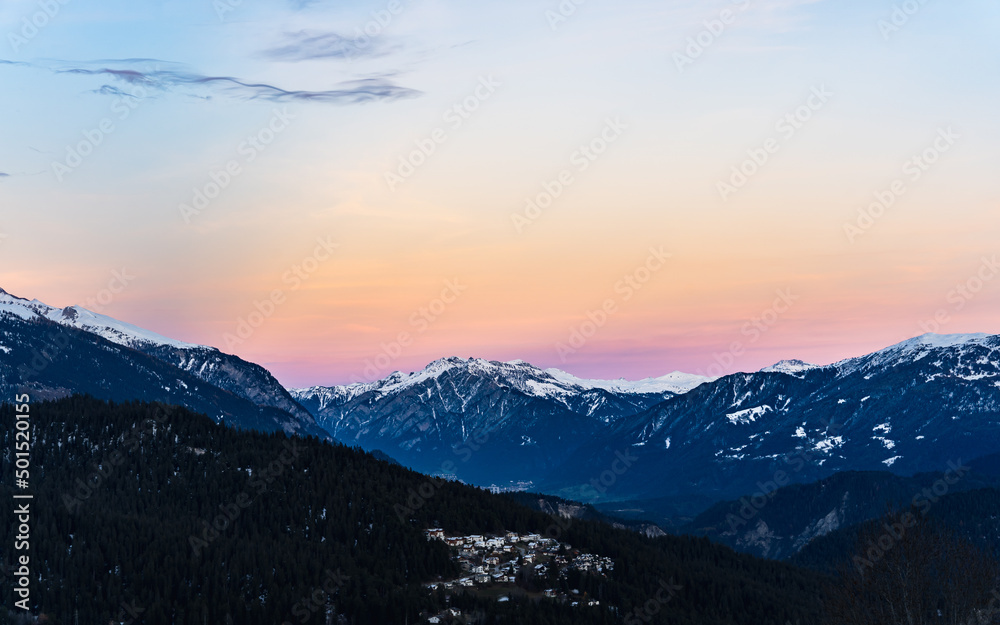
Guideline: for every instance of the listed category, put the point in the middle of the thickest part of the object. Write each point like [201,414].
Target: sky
[339,190]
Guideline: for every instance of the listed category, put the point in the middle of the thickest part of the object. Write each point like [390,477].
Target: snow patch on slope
[749,415]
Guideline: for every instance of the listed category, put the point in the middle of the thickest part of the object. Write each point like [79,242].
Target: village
[498,561]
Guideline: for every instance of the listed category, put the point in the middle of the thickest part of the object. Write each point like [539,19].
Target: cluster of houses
[497,560]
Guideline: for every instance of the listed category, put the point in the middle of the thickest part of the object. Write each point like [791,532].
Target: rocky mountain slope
[908,408]
[484,421]
[54,352]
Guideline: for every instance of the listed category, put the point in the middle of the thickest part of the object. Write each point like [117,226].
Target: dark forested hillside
[567,509]
[779,523]
[126,496]
[972,515]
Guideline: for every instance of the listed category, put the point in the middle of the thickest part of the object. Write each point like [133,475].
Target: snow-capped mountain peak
[78,317]
[141,364]
[918,348]
[485,390]
[790,367]
[517,374]
[114,330]
[931,340]
[676,382]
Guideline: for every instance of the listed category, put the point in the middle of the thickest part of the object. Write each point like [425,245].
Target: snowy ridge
[870,413]
[917,348]
[518,374]
[83,319]
[790,367]
[114,330]
[677,382]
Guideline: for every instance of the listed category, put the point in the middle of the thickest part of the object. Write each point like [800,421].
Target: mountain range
[54,352]
[690,440]
[911,407]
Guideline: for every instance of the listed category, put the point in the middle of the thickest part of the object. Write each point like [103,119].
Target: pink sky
[472,112]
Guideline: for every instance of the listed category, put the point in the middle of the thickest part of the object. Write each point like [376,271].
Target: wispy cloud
[4,175]
[306,45]
[112,90]
[165,76]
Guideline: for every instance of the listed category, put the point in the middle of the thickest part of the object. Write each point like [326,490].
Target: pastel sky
[622,121]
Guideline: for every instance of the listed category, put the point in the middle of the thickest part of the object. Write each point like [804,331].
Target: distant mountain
[678,442]
[791,367]
[484,421]
[673,383]
[780,523]
[973,515]
[566,511]
[55,352]
[911,407]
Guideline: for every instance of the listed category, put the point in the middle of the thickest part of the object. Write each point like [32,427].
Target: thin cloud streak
[176,77]
[306,45]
